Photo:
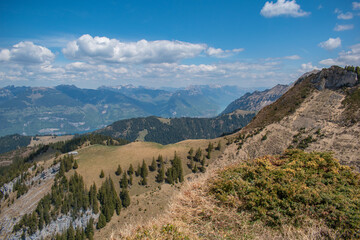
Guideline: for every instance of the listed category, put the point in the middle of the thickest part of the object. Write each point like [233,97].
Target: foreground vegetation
[293,187]
[296,195]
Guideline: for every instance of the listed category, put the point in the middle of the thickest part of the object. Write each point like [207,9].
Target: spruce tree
[71,233]
[144,171]
[195,169]
[198,154]
[102,174]
[131,180]
[218,147]
[131,170]
[89,231]
[124,181]
[118,205]
[75,165]
[118,171]
[102,221]
[138,171]
[152,167]
[161,174]
[125,198]
[169,176]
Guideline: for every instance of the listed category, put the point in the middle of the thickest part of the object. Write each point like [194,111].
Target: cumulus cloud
[283,7]
[331,43]
[356,5]
[104,49]
[343,16]
[351,57]
[345,27]
[27,53]
[307,67]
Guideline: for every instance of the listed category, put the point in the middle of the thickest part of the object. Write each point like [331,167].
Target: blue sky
[174,43]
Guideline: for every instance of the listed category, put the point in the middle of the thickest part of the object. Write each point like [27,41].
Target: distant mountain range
[67,109]
[257,100]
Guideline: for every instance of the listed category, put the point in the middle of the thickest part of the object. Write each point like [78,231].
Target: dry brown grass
[49,139]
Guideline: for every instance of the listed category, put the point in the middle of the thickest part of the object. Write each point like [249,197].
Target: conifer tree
[144,171]
[71,233]
[75,165]
[131,180]
[118,171]
[78,234]
[198,154]
[118,205]
[102,174]
[125,198]
[152,167]
[218,147]
[161,174]
[102,221]
[169,176]
[195,169]
[124,181]
[131,170]
[160,160]
[138,171]
[89,231]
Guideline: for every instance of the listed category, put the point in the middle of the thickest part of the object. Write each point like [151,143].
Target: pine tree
[102,174]
[161,174]
[102,221]
[195,169]
[78,235]
[118,205]
[118,171]
[169,176]
[125,198]
[198,155]
[131,180]
[152,167]
[138,171]
[124,181]
[89,231]
[71,233]
[160,160]
[75,165]
[218,147]
[131,170]
[144,171]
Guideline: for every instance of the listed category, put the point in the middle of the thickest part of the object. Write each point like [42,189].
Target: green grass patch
[292,188]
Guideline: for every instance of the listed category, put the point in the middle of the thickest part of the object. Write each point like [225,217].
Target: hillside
[256,100]
[67,109]
[172,130]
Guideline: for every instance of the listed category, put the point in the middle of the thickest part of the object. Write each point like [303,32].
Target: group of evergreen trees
[175,173]
[197,162]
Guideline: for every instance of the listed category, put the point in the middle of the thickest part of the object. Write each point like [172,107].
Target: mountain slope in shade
[257,100]
[319,113]
[166,131]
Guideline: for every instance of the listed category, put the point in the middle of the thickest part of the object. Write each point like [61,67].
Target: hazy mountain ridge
[67,109]
[256,100]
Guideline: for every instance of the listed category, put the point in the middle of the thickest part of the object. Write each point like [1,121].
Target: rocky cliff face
[257,100]
[317,124]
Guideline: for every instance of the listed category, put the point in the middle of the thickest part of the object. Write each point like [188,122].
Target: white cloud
[345,27]
[291,57]
[343,16]
[307,67]
[331,43]
[356,5]
[283,7]
[103,49]
[220,53]
[351,57]
[27,53]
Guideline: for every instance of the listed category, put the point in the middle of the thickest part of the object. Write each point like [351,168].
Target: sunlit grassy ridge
[293,187]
